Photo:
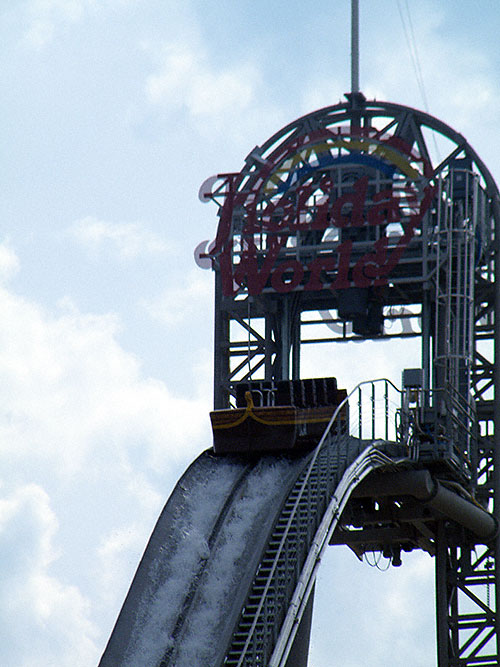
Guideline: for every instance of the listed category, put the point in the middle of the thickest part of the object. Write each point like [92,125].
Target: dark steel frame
[261,336]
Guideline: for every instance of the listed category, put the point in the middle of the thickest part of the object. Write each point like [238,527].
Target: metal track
[239,600]
[235,555]
[284,579]
[262,525]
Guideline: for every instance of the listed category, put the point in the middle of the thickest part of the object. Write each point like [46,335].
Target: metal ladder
[284,579]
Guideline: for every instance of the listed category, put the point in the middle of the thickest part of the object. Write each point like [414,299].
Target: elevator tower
[370,220]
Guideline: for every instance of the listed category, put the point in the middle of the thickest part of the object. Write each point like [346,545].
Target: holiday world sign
[324,209]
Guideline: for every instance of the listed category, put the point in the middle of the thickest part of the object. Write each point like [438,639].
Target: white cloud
[42,618]
[188,80]
[218,95]
[47,15]
[128,239]
[9,262]
[68,386]
[46,18]
[462,84]
[319,93]
[113,557]
[190,299]
[387,615]
[86,442]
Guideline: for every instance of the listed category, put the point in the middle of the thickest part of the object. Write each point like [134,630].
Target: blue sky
[113,113]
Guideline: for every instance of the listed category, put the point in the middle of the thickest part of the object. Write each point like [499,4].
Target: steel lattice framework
[361,221]
[351,217]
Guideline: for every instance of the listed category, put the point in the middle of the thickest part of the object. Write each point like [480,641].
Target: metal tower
[350,218]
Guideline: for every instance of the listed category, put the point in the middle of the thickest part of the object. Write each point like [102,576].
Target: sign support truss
[465,601]
[352,217]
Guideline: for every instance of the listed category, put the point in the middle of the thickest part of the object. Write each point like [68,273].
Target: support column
[496,416]
[284,343]
[299,653]
[221,348]
[442,596]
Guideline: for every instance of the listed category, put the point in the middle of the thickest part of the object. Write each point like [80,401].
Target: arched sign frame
[357,216]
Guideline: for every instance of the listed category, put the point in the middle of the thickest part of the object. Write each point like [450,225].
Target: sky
[113,114]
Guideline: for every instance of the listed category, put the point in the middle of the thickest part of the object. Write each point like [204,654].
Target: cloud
[89,449]
[387,615]
[9,262]
[42,618]
[463,83]
[129,240]
[191,298]
[227,97]
[187,80]
[68,386]
[45,16]
[113,552]
[318,93]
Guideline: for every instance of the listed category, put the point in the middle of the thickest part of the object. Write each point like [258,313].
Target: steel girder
[272,326]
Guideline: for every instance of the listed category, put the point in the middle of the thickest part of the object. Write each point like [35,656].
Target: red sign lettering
[325,221]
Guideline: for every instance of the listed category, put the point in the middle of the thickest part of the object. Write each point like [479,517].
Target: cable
[415,60]
[412,47]
[376,561]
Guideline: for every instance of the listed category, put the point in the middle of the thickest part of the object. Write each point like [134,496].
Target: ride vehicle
[274,416]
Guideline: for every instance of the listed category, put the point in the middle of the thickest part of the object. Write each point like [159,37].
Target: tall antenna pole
[354,46]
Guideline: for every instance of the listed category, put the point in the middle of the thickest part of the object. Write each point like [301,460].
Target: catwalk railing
[285,577]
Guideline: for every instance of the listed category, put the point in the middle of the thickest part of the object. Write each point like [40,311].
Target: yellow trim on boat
[250,410]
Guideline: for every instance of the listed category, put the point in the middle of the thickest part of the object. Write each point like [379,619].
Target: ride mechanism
[344,220]
[358,222]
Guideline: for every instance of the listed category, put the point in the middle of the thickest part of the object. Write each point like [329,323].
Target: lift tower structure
[361,221]
[371,220]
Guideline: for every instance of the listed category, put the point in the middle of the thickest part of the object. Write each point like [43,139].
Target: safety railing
[375,411]
[441,424]
[312,507]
